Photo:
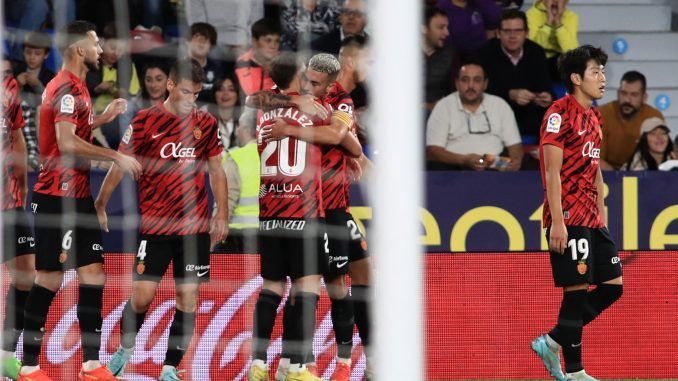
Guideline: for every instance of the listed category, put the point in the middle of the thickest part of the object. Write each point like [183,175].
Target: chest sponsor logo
[589,150]
[97,247]
[177,151]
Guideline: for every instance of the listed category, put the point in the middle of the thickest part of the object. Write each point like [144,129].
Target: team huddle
[309,155]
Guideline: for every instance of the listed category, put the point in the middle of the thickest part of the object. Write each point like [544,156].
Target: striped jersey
[173,152]
[12,120]
[567,125]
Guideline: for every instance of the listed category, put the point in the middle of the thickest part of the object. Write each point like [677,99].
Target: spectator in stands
[153,87]
[203,37]
[232,20]
[654,146]
[518,72]
[242,174]
[510,4]
[471,22]
[32,75]
[252,67]
[622,120]
[226,109]
[352,20]
[554,27]
[469,129]
[439,59]
[303,21]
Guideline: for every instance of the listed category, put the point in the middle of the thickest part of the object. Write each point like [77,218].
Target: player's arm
[19,162]
[219,223]
[115,108]
[111,181]
[70,143]
[553,163]
[600,200]
[266,100]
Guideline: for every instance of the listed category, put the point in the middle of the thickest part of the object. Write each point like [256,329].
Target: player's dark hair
[513,14]
[265,27]
[431,12]
[635,76]
[574,62]
[471,61]
[188,69]
[643,148]
[74,32]
[204,29]
[283,69]
[38,40]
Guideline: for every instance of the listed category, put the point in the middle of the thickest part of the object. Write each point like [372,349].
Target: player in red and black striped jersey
[17,244]
[581,249]
[62,193]
[175,143]
[346,242]
[292,240]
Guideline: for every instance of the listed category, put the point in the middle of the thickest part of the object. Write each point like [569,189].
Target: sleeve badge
[553,123]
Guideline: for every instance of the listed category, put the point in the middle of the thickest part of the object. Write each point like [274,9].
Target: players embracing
[582,252]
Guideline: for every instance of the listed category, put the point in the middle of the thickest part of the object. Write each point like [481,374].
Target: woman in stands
[654,146]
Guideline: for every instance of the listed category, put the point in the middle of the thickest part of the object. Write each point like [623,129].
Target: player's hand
[355,170]
[521,96]
[218,230]
[129,164]
[309,105]
[275,131]
[475,162]
[558,238]
[115,108]
[101,215]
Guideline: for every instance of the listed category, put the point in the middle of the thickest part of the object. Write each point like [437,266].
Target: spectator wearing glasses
[469,129]
[352,21]
[518,72]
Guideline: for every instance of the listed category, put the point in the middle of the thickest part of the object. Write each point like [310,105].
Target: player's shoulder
[205,117]
[9,84]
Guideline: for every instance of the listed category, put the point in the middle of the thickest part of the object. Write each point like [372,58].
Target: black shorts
[294,248]
[590,257]
[347,243]
[17,234]
[189,254]
[67,232]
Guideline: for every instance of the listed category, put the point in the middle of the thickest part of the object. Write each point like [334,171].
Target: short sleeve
[68,104]
[134,136]
[554,128]
[437,127]
[510,135]
[214,146]
[14,112]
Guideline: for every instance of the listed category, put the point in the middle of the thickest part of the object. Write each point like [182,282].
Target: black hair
[188,69]
[265,27]
[644,149]
[513,14]
[635,76]
[150,65]
[431,12]
[204,29]
[574,62]
[283,69]
[74,32]
[471,61]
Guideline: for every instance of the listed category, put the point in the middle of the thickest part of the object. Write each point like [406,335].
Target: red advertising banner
[482,311]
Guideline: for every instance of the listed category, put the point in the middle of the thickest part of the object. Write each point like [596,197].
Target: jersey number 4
[284,167]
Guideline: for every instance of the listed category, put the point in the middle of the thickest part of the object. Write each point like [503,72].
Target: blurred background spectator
[654,146]
[232,20]
[518,73]
[352,21]
[471,22]
[439,59]
[32,74]
[252,67]
[553,26]
[153,87]
[202,38]
[225,107]
[622,120]
[469,129]
[304,21]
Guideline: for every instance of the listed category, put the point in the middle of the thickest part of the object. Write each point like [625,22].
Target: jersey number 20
[285,167]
